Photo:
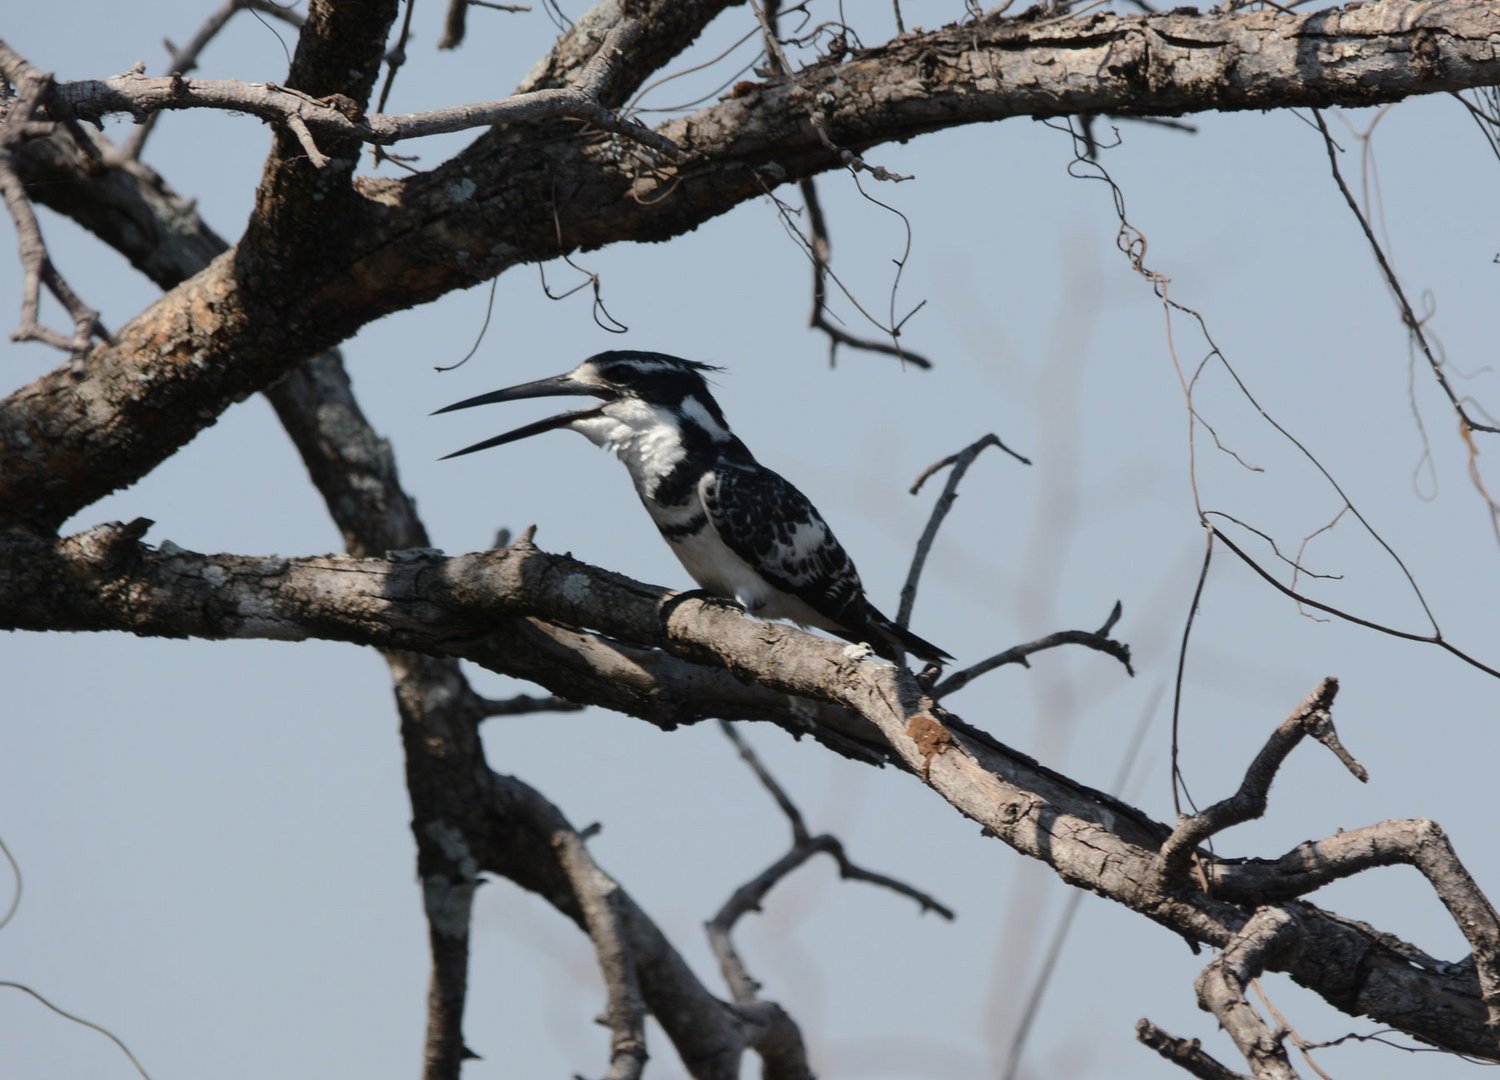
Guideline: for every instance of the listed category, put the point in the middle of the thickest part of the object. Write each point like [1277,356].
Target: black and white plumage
[740,530]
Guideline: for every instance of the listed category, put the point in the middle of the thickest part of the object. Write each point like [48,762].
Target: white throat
[645,437]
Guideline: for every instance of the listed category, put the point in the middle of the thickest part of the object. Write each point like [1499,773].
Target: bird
[742,531]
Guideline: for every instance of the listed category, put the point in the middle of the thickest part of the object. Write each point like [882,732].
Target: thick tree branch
[246,321]
[419,600]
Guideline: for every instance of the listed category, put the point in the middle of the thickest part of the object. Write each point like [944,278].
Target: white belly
[720,571]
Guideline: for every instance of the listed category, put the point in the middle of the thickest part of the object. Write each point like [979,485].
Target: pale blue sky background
[214,835]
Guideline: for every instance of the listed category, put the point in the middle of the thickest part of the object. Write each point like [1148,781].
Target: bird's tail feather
[890,639]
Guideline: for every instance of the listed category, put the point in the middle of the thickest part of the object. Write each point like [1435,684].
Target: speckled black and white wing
[773,527]
[782,540]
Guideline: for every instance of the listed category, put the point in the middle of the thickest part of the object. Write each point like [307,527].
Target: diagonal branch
[1187,1054]
[1098,640]
[960,462]
[1221,990]
[599,897]
[1312,719]
[105,578]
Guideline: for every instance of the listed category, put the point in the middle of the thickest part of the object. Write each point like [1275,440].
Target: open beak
[557,386]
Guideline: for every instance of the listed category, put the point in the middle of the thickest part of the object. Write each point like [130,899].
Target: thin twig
[821,249]
[1406,635]
[110,1035]
[960,462]
[892,330]
[749,896]
[1408,315]
[1099,640]
[37,269]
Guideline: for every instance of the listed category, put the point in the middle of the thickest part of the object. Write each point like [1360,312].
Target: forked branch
[1221,991]
[960,462]
[18,123]
[1310,718]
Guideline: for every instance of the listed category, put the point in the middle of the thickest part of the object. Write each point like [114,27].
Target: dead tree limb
[598,896]
[309,118]
[1098,640]
[960,462]
[1221,991]
[1310,718]
[18,125]
[1186,1054]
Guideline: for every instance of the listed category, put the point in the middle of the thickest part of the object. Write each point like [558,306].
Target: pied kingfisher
[740,530]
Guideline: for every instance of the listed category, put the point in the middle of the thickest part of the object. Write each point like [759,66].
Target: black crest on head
[657,377]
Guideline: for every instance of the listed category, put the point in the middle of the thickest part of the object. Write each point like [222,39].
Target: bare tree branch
[598,896]
[185,59]
[781,1045]
[1188,1054]
[1310,718]
[1221,991]
[18,126]
[485,216]
[1098,640]
[960,462]
[104,578]
[307,117]
[820,250]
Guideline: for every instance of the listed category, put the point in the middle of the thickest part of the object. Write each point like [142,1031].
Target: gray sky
[214,835]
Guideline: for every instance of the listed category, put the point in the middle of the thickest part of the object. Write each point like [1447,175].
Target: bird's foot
[859,650]
[929,674]
[703,596]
